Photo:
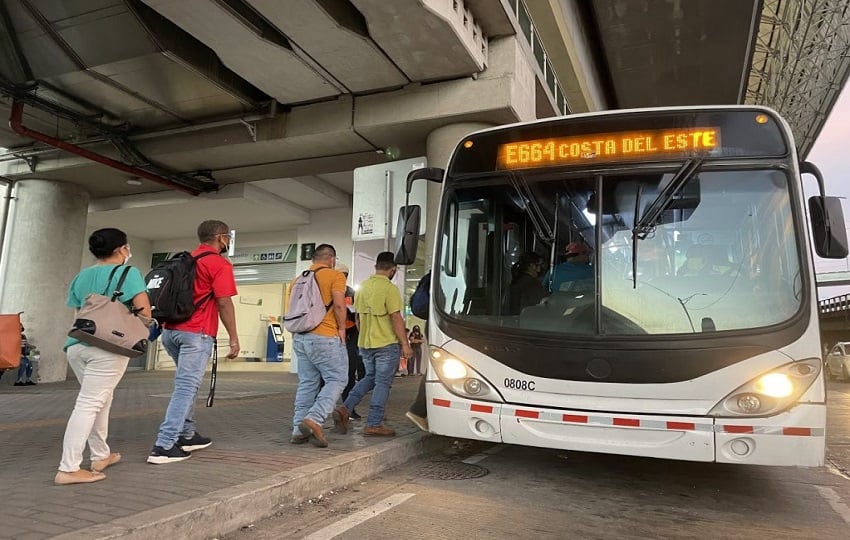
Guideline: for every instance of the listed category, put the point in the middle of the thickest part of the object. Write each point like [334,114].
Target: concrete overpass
[834,319]
[834,311]
[257,111]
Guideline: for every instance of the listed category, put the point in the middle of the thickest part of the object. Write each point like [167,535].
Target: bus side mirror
[828,228]
[432,174]
[409,216]
[407,234]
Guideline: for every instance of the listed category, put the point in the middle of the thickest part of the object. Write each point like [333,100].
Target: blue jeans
[381,366]
[320,358]
[24,370]
[190,352]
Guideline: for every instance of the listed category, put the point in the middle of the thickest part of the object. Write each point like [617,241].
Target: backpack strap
[210,296]
[109,281]
[328,306]
[213,373]
[117,291]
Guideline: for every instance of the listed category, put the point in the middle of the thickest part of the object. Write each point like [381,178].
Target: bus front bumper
[791,438]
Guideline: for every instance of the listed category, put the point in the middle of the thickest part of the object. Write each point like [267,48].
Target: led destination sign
[608,147]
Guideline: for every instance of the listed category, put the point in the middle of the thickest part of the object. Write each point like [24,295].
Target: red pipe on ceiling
[15,122]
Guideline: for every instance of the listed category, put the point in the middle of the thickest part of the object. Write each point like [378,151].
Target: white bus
[630,282]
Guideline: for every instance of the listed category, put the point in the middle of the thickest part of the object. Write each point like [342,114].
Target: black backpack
[171,288]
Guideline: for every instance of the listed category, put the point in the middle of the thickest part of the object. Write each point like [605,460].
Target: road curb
[228,509]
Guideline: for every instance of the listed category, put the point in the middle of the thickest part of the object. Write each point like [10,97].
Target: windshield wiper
[645,225]
[541,226]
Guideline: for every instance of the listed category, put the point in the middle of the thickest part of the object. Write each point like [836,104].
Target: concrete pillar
[439,146]
[44,244]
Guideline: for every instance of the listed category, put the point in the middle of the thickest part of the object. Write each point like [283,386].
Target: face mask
[129,256]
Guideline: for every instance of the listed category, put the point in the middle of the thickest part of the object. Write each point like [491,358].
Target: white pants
[98,372]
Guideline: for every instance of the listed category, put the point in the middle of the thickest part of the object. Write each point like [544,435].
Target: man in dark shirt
[25,368]
[526,289]
[356,369]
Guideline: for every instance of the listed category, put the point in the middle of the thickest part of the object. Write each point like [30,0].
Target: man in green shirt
[383,342]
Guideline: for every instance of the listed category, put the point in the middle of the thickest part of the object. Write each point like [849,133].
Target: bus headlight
[453,369]
[749,403]
[777,385]
[770,392]
[460,379]
[473,386]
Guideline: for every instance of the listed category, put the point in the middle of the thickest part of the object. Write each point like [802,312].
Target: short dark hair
[324,252]
[385,261]
[210,228]
[527,260]
[103,242]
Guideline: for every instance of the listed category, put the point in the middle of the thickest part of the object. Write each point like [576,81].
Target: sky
[831,154]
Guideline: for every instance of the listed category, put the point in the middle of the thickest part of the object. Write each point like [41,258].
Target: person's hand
[341,334]
[234,349]
[406,351]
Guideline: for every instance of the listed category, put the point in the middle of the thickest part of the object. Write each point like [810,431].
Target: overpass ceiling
[662,52]
[272,90]
[129,68]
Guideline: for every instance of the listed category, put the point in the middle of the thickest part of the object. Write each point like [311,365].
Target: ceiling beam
[252,193]
[142,200]
[323,188]
[11,47]
[246,192]
[183,48]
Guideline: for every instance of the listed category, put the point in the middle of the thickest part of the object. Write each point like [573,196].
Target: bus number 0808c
[519,384]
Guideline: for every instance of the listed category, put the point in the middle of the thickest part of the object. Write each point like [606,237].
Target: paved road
[838,427]
[539,493]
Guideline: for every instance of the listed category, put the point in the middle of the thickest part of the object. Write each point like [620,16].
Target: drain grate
[451,470]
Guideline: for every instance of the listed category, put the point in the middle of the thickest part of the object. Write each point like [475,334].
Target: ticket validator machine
[274,343]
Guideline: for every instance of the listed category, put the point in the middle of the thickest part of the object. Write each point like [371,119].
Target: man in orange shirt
[321,355]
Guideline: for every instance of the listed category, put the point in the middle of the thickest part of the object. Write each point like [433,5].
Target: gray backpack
[306,307]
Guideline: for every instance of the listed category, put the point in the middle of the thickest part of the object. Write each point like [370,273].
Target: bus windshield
[552,251]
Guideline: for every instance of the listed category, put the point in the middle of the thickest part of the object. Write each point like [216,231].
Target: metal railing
[549,76]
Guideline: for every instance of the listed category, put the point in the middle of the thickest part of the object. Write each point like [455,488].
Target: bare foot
[81,476]
[101,464]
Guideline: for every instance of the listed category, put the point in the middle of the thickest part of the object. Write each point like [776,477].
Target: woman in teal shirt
[98,371]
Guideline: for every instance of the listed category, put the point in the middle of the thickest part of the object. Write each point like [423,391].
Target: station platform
[250,470]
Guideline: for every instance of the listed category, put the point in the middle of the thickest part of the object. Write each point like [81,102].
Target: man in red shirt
[191,343]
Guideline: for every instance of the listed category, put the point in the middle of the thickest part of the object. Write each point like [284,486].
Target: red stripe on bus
[575,418]
[442,402]
[631,422]
[738,429]
[681,425]
[527,414]
[481,408]
[798,431]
